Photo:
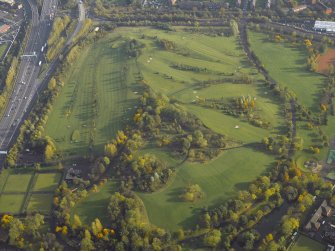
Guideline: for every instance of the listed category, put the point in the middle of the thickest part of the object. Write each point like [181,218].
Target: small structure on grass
[72,174]
[313,165]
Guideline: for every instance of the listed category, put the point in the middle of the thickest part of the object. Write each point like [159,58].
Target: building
[324,210]
[324,26]
[253,4]
[313,224]
[299,8]
[10,2]
[4,28]
[72,174]
[328,11]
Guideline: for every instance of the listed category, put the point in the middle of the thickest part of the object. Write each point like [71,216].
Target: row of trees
[57,37]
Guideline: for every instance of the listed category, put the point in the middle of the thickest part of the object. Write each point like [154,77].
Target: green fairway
[225,125]
[40,203]
[307,244]
[95,204]
[94,102]
[17,183]
[287,65]
[220,179]
[11,203]
[46,182]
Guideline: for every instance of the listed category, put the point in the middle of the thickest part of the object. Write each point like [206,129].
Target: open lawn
[220,179]
[94,102]
[40,203]
[46,182]
[17,183]
[11,203]
[95,204]
[287,65]
[307,244]
[225,124]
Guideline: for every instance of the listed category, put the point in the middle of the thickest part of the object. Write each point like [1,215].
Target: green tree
[86,243]
[212,238]
[76,222]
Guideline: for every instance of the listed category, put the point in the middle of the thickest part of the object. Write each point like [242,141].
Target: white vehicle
[42,49]
[25,97]
[23,82]
[39,63]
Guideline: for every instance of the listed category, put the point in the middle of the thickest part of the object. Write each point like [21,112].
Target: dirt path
[325,60]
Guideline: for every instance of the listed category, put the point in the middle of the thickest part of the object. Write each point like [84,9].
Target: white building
[11,2]
[325,26]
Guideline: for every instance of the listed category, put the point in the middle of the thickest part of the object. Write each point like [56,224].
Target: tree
[180,234]
[50,149]
[33,224]
[212,238]
[110,150]
[289,225]
[86,243]
[234,28]
[192,193]
[52,83]
[16,229]
[96,227]
[76,222]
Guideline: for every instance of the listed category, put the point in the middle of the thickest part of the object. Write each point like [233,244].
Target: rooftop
[324,25]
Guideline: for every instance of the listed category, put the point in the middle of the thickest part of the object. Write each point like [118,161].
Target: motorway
[26,86]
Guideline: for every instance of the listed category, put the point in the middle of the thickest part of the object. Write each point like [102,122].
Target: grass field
[287,65]
[17,183]
[307,244]
[11,203]
[46,182]
[93,103]
[18,189]
[220,179]
[221,57]
[40,203]
[95,204]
